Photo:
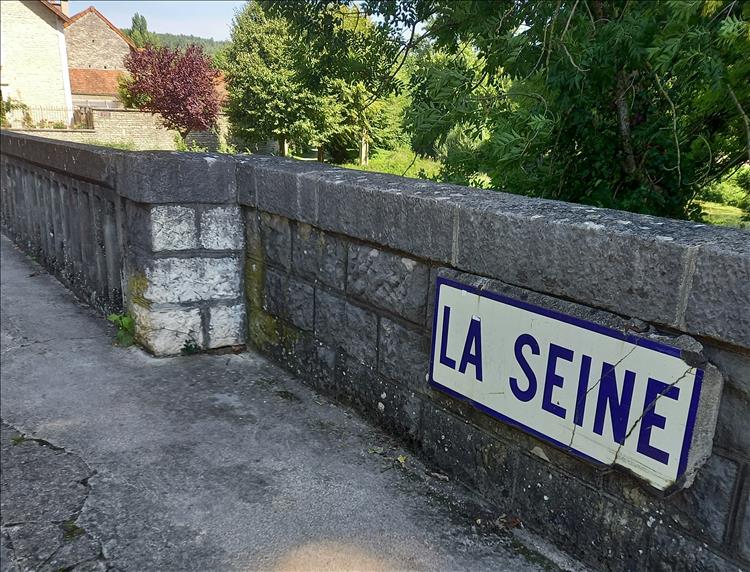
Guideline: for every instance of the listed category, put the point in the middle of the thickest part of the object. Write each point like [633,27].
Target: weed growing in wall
[125,329]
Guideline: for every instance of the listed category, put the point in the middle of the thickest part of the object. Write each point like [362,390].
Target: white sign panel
[609,397]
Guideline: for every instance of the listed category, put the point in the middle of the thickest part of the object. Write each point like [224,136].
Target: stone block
[731,427]
[176,280]
[276,238]
[671,551]
[586,524]
[495,470]
[744,527]
[317,255]
[253,243]
[86,162]
[275,298]
[173,177]
[637,276]
[301,304]
[173,228]
[347,326]
[704,507]
[734,366]
[279,187]
[719,302]
[357,204]
[394,408]
[314,362]
[245,178]
[221,228]
[403,355]
[450,442]
[226,326]
[390,281]
[164,331]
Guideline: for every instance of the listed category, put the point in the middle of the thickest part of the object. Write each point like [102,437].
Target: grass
[399,161]
[723,215]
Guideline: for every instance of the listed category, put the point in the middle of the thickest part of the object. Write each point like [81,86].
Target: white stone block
[221,229]
[173,228]
[174,280]
[165,331]
[226,326]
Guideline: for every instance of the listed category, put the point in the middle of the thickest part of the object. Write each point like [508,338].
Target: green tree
[630,104]
[139,32]
[268,95]
[348,57]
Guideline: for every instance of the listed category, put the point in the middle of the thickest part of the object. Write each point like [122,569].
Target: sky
[207,19]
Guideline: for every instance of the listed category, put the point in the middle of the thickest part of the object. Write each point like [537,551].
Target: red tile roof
[93,82]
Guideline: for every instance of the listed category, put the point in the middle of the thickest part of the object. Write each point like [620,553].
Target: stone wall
[69,224]
[101,221]
[92,43]
[339,270]
[133,129]
[340,273]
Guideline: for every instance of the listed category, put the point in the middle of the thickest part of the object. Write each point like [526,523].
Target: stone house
[96,51]
[33,55]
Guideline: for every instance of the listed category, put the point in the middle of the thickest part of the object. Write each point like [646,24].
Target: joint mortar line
[205,313]
[737,512]
[454,242]
[686,285]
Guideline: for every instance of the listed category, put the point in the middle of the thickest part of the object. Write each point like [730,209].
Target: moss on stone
[263,330]
[254,281]
[137,286]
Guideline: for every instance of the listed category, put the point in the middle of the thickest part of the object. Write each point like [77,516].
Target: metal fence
[38,117]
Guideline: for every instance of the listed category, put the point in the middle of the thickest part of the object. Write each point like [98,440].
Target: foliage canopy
[629,104]
[282,86]
[178,85]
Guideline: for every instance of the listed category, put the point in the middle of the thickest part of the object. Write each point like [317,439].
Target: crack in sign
[649,408]
[589,390]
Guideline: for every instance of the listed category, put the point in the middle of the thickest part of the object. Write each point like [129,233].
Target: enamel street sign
[606,396]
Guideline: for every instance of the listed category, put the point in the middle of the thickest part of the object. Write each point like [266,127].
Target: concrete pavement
[115,460]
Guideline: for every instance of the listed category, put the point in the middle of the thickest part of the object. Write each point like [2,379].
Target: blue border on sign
[584,324]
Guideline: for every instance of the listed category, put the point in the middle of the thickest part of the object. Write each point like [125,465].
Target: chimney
[64,8]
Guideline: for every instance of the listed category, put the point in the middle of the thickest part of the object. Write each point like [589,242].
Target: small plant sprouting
[18,439]
[71,530]
[125,329]
[190,347]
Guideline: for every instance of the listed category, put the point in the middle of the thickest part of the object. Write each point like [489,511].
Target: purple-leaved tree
[180,86]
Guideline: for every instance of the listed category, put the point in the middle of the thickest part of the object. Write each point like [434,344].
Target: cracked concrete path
[115,460]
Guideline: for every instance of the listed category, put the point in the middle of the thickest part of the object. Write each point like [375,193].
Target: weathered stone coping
[682,275]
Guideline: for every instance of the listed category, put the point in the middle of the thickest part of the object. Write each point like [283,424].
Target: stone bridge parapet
[333,274]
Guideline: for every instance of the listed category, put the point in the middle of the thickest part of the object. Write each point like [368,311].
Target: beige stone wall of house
[93,44]
[32,50]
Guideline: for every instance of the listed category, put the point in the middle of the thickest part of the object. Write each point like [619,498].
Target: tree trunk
[184,136]
[321,154]
[283,146]
[624,84]
[364,150]
[623,120]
